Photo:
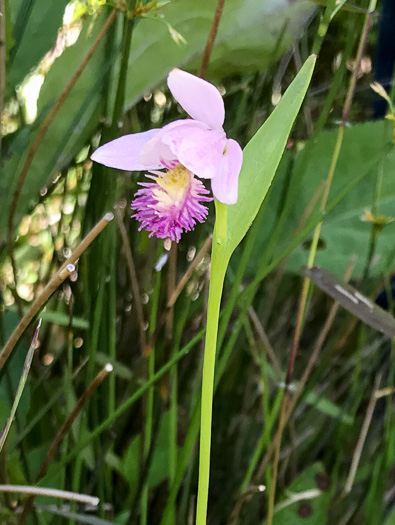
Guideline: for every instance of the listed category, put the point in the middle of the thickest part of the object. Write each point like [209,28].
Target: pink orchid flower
[196,146]
[199,144]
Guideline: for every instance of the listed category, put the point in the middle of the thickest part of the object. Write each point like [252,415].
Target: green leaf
[9,37]
[68,132]
[252,34]
[312,509]
[160,462]
[131,463]
[36,456]
[344,233]
[15,366]
[159,466]
[35,31]
[63,319]
[326,406]
[262,156]
[21,386]
[15,468]
[391,518]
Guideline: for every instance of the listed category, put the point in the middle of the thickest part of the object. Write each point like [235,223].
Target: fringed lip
[171,204]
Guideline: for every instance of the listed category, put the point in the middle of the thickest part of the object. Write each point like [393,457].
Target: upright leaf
[262,156]
[21,386]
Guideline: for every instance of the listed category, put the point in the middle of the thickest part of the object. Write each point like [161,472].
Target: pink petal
[197,147]
[200,99]
[225,184]
[123,153]
[155,150]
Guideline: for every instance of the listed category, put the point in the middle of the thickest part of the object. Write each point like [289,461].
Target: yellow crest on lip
[175,184]
[178,177]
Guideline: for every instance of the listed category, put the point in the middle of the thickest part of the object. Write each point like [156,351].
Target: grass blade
[21,386]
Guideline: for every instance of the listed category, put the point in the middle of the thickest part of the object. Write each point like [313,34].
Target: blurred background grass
[142,459]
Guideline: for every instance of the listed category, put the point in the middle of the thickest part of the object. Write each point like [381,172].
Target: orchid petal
[154,152]
[123,153]
[197,148]
[225,184]
[200,99]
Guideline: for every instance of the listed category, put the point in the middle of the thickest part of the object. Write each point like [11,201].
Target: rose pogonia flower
[199,144]
[171,204]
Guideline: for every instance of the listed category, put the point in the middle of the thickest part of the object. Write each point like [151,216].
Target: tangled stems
[313,249]
[219,263]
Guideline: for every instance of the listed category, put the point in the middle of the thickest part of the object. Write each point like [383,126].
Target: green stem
[173,412]
[220,230]
[147,437]
[112,333]
[121,88]
[150,400]
[219,263]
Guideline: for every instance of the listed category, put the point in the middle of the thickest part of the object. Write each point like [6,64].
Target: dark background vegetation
[149,452]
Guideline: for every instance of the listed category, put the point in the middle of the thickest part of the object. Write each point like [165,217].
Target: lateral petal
[225,184]
[123,153]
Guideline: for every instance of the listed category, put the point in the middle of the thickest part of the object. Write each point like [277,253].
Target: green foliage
[83,107]
[146,413]
[313,510]
[9,385]
[325,406]
[20,388]
[36,24]
[366,148]
[251,35]
[9,38]
[262,156]
[345,232]
[159,466]
[71,128]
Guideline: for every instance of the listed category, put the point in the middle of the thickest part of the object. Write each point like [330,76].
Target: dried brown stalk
[53,284]
[170,303]
[97,381]
[63,272]
[133,277]
[211,38]
[363,434]
[52,493]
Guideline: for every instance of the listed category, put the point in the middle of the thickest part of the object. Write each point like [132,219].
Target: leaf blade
[262,156]
[21,386]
